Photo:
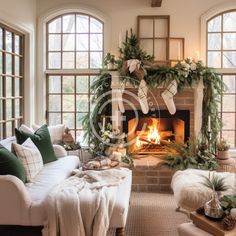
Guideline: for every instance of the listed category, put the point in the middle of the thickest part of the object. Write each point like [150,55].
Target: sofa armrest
[15,203]
[59,151]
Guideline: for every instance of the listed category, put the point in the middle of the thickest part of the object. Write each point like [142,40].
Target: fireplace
[150,133]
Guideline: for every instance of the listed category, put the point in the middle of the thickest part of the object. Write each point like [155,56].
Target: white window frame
[42,71]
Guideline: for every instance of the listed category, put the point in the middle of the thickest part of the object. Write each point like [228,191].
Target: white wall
[21,15]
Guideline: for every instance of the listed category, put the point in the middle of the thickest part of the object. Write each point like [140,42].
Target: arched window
[221,54]
[75,52]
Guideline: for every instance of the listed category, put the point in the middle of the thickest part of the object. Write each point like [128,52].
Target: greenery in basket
[192,154]
[222,145]
[215,183]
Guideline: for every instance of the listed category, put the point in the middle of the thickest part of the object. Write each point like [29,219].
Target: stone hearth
[149,175]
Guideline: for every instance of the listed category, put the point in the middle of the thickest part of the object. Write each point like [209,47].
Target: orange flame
[153,135]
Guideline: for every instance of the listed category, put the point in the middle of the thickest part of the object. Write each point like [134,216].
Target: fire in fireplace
[149,134]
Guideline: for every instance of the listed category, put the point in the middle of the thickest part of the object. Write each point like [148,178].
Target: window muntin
[11,80]
[75,41]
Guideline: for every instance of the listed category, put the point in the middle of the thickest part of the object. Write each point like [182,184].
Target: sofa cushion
[30,157]
[10,165]
[41,139]
[51,174]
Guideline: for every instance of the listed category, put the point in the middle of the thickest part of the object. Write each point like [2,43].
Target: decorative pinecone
[201,211]
[229,222]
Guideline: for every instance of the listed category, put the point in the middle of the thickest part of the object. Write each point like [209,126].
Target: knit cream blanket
[82,205]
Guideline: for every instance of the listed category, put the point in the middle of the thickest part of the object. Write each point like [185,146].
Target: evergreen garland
[186,73]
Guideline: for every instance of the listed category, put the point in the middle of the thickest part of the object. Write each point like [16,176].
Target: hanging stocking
[142,96]
[168,95]
[119,97]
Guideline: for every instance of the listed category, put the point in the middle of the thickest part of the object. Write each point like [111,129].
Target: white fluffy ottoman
[190,193]
[189,229]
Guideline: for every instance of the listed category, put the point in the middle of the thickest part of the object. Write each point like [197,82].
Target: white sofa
[22,204]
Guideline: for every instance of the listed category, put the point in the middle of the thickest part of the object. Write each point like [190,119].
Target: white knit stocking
[119,97]
[142,96]
[168,95]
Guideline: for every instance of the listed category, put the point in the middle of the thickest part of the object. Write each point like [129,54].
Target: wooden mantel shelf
[156,3]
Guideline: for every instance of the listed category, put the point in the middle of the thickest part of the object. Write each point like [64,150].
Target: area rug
[152,214]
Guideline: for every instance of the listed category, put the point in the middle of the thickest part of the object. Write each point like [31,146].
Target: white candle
[178,51]
[120,39]
[209,123]
[103,123]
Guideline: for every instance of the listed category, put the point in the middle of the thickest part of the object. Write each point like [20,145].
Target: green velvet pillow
[10,165]
[41,139]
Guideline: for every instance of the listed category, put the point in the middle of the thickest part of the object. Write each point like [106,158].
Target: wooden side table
[210,226]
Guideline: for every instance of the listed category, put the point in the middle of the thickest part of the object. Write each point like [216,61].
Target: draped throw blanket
[83,204]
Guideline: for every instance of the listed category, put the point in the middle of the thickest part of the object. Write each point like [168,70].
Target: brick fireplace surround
[149,174]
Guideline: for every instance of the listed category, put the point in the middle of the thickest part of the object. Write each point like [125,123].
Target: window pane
[68,102]
[54,84]
[229,20]
[82,41]
[54,118]
[82,60]
[8,109]
[69,120]
[69,24]
[229,80]
[17,44]
[95,26]
[54,103]
[17,107]
[229,136]
[0,38]
[79,120]
[95,59]
[68,84]
[8,64]
[228,120]
[1,94]
[9,129]
[82,103]
[82,24]
[229,59]
[68,60]
[54,42]
[96,42]
[1,109]
[55,26]
[17,87]
[228,103]
[1,63]
[54,60]
[82,84]
[17,65]
[8,41]
[214,41]
[214,25]
[229,41]
[68,42]
[80,138]
[214,59]
[8,86]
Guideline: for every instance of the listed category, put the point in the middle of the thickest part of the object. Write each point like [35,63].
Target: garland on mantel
[186,73]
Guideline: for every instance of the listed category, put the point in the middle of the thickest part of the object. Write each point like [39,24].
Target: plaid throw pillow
[30,158]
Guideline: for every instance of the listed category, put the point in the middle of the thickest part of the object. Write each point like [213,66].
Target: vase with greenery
[222,149]
[110,61]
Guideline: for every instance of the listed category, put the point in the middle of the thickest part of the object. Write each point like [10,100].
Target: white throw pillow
[56,132]
[30,157]
[26,129]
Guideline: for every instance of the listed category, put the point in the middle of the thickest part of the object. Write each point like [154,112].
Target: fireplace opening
[150,134]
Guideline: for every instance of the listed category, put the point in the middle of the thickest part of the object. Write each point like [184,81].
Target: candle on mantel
[209,123]
[178,51]
[120,39]
[103,123]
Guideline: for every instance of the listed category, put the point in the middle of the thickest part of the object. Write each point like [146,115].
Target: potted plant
[223,149]
[109,61]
